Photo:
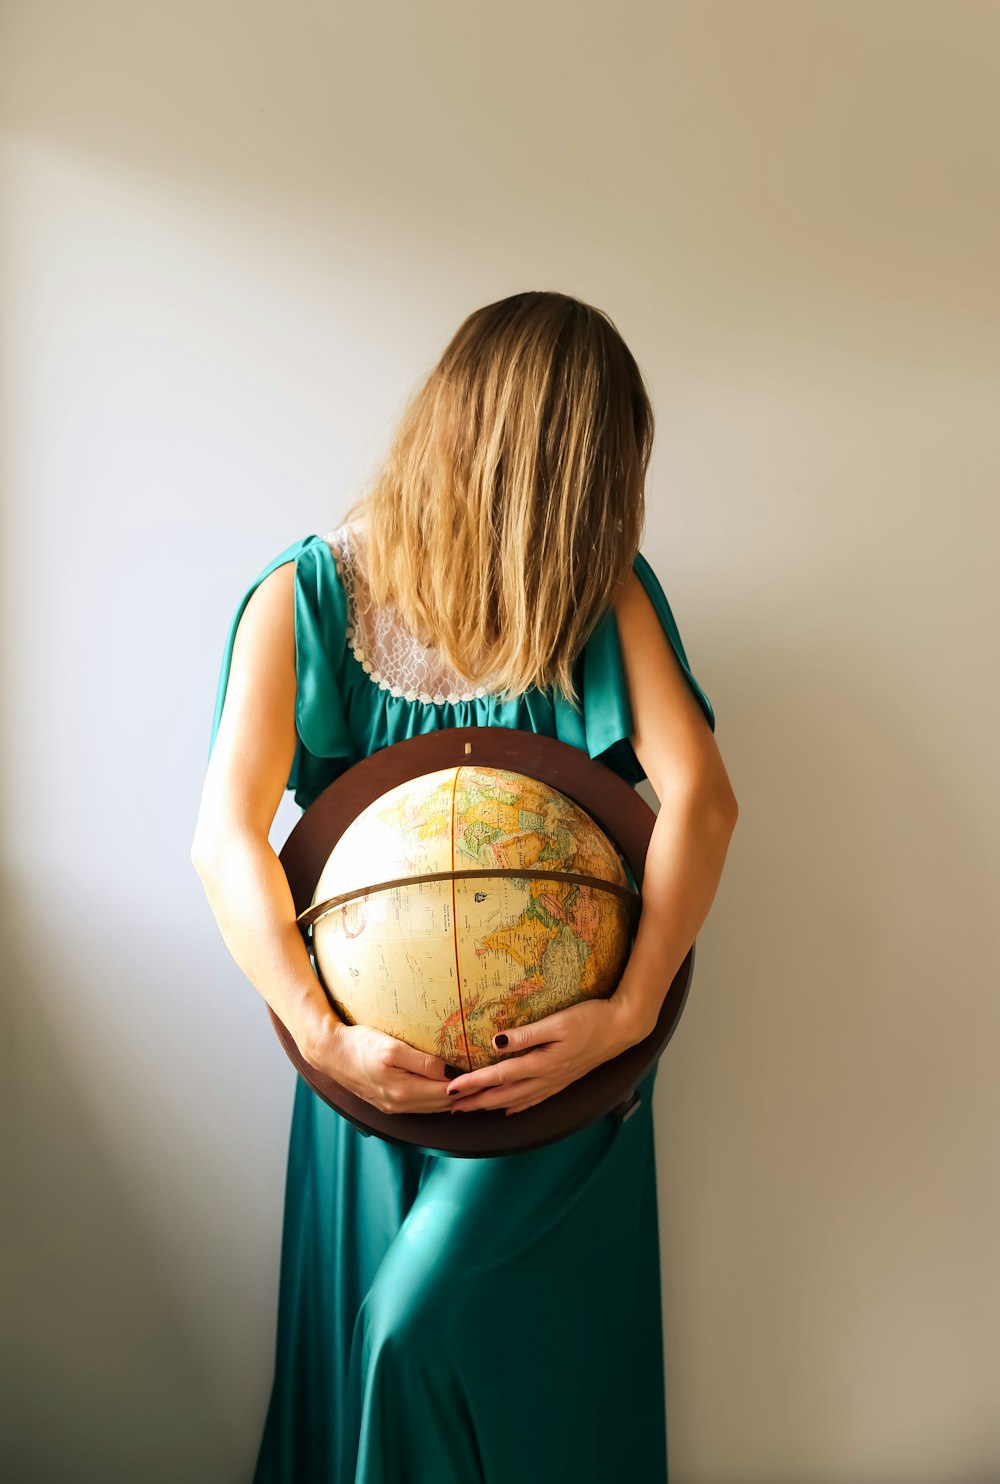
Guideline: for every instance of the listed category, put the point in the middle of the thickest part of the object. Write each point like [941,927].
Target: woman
[471,1321]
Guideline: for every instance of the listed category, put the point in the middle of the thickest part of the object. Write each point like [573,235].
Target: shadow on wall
[828,1235]
[137,1310]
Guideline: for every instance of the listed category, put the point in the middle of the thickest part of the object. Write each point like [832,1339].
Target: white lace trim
[388,653]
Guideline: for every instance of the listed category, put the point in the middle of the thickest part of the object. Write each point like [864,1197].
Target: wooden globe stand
[624,816]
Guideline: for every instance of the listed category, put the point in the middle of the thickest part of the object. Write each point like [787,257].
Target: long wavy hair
[512,500]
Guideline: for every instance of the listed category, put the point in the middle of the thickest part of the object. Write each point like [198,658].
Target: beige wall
[234,236]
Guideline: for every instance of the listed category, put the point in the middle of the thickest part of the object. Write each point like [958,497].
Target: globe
[467,901]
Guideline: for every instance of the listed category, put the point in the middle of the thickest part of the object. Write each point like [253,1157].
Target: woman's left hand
[544,1057]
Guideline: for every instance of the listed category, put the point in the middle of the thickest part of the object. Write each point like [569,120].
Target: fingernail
[500,1041]
[453,1090]
[450,1071]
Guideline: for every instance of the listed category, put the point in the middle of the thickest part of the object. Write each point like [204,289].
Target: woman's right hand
[386,1072]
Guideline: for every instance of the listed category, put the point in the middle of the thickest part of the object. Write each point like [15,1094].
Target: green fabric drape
[445,1320]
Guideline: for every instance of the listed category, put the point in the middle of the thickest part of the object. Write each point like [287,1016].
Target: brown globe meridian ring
[611,1087]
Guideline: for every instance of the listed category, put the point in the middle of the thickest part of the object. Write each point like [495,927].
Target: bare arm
[677,750]
[244,881]
[676,747]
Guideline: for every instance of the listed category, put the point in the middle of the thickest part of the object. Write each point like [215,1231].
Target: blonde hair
[511,502]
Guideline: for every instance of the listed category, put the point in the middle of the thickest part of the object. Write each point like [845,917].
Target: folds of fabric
[458,1321]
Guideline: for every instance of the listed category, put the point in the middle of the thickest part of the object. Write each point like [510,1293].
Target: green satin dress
[446,1320]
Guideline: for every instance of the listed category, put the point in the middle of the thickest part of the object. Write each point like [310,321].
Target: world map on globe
[445,964]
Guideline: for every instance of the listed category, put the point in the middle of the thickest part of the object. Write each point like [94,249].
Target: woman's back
[364,681]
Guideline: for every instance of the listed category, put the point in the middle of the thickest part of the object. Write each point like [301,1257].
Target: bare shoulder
[671,736]
[271,604]
[256,738]
[262,676]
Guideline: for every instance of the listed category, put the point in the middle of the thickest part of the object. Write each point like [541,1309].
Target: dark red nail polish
[501,1040]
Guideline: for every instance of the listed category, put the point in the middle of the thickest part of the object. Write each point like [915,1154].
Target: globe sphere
[445,963]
